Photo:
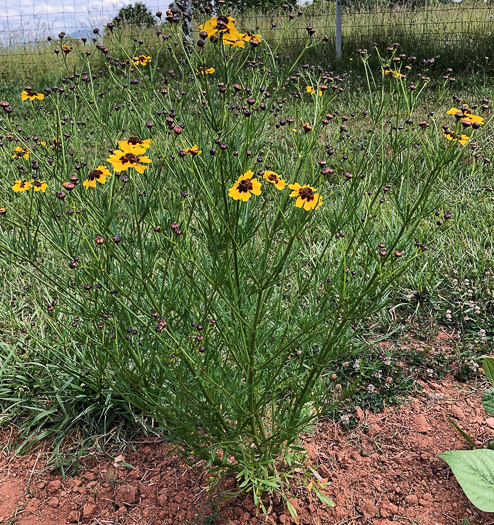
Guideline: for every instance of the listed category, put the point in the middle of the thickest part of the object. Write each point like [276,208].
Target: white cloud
[29,17]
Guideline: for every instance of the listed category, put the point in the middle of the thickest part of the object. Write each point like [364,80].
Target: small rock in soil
[126,495]
[54,486]
[89,510]
[420,424]
[74,516]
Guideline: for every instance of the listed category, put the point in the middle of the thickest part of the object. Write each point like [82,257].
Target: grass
[82,352]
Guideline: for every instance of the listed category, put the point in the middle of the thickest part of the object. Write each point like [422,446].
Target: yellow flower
[134,145]
[274,178]
[454,111]
[392,72]
[471,118]
[235,39]
[39,185]
[244,187]
[224,27]
[193,151]
[122,161]
[21,185]
[99,174]
[253,39]
[30,94]
[218,25]
[465,113]
[66,49]
[312,91]
[455,137]
[208,71]
[306,196]
[141,60]
[20,153]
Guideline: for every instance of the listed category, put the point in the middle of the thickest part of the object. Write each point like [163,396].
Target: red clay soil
[384,471]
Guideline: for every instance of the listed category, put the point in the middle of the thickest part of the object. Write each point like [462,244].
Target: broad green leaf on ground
[474,471]
[488,400]
[488,366]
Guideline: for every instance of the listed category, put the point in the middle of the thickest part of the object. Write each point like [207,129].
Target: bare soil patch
[384,471]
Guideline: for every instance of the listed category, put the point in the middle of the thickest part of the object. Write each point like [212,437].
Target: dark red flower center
[222,24]
[245,185]
[134,141]
[31,93]
[129,158]
[306,194]
[94,175]
[273,177]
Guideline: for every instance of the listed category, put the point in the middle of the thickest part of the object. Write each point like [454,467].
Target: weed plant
[196,247]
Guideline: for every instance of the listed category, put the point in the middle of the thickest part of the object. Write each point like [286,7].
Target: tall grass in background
[457,35]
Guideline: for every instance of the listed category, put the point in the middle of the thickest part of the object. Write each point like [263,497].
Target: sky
[24,19]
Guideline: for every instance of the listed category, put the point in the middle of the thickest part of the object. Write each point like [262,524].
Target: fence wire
[29,29]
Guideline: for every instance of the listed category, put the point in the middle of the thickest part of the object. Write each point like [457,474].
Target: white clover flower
[345,419]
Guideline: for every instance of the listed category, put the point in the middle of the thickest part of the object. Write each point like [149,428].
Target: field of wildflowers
[195,249]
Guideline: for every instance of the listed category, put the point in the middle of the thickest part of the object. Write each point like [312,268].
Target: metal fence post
[338,28]
[186,7]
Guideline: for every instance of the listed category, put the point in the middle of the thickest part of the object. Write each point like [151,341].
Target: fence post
[186,7]
[338,28]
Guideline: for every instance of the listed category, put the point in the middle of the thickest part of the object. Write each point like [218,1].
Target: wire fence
[460,30]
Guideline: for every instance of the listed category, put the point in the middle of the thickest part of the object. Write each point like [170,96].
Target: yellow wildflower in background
[134,145]
[253,39]
[392,72]
[456,137]
[99,174]
[20,153]
[30,94]
[21,185]
[219,25]
[224,27]
[274,179]
[244,187]
[122,161]
[466,115]
[208,71]
[141,60]
[312,91]
[306,196]
[193,151]
[55,143]
[39,185]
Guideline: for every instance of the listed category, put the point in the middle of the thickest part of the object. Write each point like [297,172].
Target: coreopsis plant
[202,273]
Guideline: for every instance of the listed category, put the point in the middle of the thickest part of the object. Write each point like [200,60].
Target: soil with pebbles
[384,471]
